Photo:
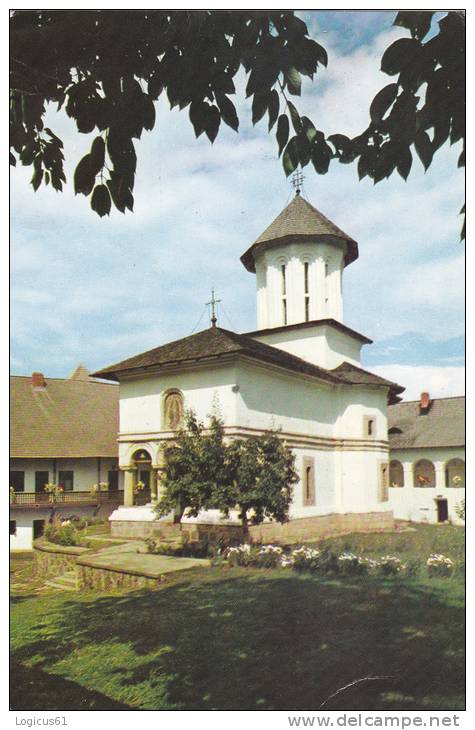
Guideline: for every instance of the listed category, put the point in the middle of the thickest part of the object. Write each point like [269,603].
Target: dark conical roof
[302,222]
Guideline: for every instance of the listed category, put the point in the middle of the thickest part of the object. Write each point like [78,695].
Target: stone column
[439,474]
[408,474]
[153,485]
[129,483]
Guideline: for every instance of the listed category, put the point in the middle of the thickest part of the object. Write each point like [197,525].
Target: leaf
[12,159]
[423,147]
[282,134]
[101,200]
[382,101]
[321,156]
[228,111]
[259,106]
[461,160]
[404,163]
[309,129]
[418,22]
[97,155]
[273,105]
[295,117]
[399,54]
[53,136]
[212,122]
[148,112]
[198,116]
[84,176]
[37,178]
[294,81]
[290,158]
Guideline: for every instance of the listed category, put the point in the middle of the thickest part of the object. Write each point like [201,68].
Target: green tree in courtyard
[195,468]
[261,476]
[255,474]
[107,68]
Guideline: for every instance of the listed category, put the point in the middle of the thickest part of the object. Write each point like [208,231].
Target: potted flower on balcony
[12,495]
[54,490]
[139,487]
[422,481]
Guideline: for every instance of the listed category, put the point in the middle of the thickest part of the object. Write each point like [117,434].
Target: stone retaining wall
[103,579]
[315,528]
[305,528]
[51,560]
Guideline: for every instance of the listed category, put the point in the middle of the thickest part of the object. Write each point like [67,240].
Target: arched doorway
[142,463]
[396,474]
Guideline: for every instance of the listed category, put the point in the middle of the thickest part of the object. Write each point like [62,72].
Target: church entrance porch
[140,480]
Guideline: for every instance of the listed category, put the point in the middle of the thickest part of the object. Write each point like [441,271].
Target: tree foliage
[202,471]
[107,68]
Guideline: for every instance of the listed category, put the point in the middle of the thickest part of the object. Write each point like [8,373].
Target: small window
[66,480]
[383,491]
[369,426]
[113,479]
[307,309]
[308,482]
[41,478]
[12,527]
[305,270]
[17,480]
[284,285]
[284,310]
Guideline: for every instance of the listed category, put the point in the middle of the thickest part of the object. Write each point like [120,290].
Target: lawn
[245,639]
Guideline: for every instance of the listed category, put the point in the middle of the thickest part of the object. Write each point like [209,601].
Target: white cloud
[120,282]
[440,382]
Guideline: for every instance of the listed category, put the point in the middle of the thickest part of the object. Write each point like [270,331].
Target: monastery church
[299,372]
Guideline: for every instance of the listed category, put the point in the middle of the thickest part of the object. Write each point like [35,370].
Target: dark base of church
[296,530]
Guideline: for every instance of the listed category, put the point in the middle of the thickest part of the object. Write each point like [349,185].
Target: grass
[245,639]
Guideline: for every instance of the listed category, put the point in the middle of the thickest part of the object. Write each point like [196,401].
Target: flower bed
[313,560]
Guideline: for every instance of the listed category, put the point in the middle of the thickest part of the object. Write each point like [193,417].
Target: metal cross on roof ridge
[297,181]
[212,302]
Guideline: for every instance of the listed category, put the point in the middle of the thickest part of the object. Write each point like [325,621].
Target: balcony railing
[43,499]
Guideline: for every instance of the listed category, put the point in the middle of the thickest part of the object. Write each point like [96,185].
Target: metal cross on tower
[212,302]
[297,181]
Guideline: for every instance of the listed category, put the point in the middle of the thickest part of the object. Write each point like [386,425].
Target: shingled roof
[216,341]
[300,221]
[357,376]
[442,425]
[66,418]
[211,343]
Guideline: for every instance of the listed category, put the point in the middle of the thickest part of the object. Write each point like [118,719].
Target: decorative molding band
[293,439]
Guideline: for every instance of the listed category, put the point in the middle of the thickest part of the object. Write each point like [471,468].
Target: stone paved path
[126,558]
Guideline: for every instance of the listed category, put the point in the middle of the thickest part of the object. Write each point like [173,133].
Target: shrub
[304,558]
[268,556]
[64,533]
[460,509]
[439,566]
[390,565]
[185,549]
[351,564]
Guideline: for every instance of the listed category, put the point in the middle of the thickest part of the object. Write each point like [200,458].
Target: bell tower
[299,262]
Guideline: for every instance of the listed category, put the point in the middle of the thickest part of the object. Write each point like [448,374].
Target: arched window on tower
[173,410]
[284,293]
[306,291]
[455,473]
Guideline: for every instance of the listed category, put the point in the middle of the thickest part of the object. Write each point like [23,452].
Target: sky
[95,291]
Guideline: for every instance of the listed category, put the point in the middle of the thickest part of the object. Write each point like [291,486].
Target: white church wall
[360,481]
[419,504]
[324,483]
[205,390]
[23,519]
[324,345]
[356,406]
[272,399]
